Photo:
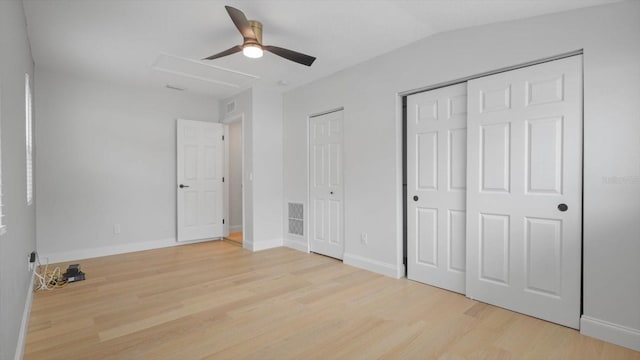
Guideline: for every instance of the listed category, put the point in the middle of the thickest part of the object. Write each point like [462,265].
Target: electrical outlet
[116,229]
[363,238]
[31,260]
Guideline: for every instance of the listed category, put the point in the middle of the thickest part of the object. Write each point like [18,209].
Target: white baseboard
[26,314]
[235,228]
[610,332]
[73,255]
[296,245]
[262,244]
[373,265]
[247,244]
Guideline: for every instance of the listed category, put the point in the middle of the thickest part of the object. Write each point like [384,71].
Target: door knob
[183,186]
[563,207]
[415,198]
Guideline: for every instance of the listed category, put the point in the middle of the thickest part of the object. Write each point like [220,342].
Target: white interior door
[199,176]
[524,190]
[326,227]
[436,187]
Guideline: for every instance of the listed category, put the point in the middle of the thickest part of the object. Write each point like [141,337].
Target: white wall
[235,176]
[108,157]
[610,37]
[19,218]
[261,108]
[267,167]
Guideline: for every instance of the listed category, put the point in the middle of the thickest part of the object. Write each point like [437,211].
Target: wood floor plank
[216,300]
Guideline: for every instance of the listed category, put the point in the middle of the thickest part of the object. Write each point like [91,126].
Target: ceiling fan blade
[300,58]
[241,22]
[230,51]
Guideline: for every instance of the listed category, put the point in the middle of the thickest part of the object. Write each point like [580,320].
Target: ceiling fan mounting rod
[256,26]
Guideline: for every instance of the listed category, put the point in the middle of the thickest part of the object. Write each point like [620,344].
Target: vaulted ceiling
[161,42]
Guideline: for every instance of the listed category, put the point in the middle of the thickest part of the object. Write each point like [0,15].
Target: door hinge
[222,137]
[223,221]
[223,179]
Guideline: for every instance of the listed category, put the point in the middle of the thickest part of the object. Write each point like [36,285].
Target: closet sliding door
[524,194]
[502,224]
[436,186]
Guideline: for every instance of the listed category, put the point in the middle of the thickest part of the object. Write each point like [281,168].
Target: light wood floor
[235,237]
[217,300]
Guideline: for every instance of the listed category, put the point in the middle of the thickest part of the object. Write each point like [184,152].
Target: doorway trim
[226,122]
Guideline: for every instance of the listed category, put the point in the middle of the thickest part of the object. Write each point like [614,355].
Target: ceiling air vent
[296,219]
[231,107]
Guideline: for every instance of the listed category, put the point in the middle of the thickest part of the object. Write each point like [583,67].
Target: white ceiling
[125,40]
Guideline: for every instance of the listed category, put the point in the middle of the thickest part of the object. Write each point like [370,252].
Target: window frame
[28,96]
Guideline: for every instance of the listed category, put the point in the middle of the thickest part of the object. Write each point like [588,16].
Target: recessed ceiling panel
[197,70]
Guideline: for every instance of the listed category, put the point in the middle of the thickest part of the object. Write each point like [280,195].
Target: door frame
[226,122]
[306,216]
[401,118]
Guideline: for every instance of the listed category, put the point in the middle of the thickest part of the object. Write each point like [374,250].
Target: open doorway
[234,146]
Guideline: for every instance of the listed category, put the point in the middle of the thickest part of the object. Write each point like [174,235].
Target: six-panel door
[524,190]
[199,178]
[436,187]
[326,226]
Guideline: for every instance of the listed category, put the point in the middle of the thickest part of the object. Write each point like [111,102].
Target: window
[29,134]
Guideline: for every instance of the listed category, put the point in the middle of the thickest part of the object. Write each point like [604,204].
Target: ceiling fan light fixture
[251,31]
[253,51]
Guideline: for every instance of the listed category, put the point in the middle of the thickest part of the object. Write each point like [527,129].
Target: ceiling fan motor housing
[256,26]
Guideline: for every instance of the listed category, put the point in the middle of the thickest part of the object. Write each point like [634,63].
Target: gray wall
[107,156]
[267,167]
[261,108]
[20,237]
[235,176]
[610,37]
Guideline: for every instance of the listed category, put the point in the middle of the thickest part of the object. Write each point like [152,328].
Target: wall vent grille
[296,219]
[231,107]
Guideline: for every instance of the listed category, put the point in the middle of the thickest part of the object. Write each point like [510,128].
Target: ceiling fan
[252,47]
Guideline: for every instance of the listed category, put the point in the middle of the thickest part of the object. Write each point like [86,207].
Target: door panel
[525,159]
[457,159]
[335,221]
[494,245]
[199,170]
[543,246]
[326,226]
[335,161]
[318,220]
[427,161]
[457,240]
[436,187]
[544,160]
[428,235]
[495,150]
